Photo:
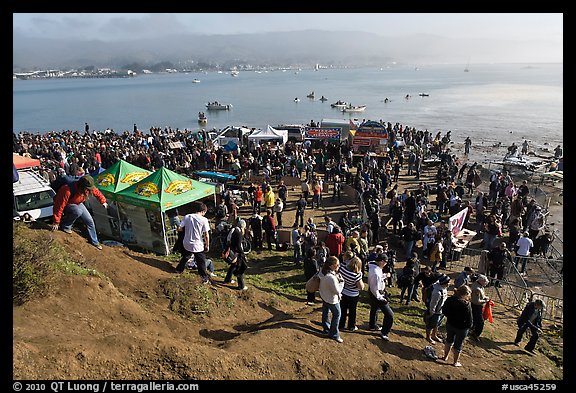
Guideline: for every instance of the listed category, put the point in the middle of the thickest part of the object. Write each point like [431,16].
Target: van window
[36,200]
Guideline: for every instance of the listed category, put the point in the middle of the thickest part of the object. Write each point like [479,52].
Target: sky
[115,26]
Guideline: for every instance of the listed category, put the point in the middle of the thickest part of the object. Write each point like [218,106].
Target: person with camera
[377,296]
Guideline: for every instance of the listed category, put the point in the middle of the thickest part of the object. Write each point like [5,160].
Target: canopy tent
[164,190]
[270,133]
[21,162]
[216,175]
[118,177]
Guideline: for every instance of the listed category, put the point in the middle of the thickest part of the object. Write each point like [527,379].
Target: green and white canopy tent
[135,215]
[163,190]
[118,177]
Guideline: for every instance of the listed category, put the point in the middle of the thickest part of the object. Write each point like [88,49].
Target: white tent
[270,133]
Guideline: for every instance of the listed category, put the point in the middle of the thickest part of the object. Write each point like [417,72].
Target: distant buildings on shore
[97,73]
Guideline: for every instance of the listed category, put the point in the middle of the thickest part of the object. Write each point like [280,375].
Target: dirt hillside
[120,326]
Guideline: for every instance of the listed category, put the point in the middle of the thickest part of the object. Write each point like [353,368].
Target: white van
[33,195]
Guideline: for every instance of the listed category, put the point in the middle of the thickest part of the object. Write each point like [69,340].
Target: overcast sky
[111,26]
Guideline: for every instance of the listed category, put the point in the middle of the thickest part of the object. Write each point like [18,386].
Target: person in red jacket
[334,242]
[69,206]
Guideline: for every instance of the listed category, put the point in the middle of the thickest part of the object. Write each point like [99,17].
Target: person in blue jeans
[377,297]
[458,312]
[331,286]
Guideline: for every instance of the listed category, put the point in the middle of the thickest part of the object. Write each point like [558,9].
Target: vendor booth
[135,214]
[370,136]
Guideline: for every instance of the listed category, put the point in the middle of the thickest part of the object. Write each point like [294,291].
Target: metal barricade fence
[514,291]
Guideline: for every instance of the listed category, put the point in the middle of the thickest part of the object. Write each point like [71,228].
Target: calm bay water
[486,103]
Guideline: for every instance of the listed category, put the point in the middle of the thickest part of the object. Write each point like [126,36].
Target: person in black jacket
[458,312]
[239,266]
[531,318]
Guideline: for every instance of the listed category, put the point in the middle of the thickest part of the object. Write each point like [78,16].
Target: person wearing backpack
[69,206]
[238,266]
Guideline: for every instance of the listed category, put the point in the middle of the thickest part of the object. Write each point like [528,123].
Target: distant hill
[350,48]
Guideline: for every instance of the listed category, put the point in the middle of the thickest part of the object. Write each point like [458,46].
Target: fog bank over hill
[306,47]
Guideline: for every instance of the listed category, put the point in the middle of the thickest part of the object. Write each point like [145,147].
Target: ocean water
[492,102]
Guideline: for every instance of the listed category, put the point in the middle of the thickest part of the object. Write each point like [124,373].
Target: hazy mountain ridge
[286,48]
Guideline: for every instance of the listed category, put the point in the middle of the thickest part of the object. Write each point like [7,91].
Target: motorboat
[311,95]
[354,108]
[323,99]
[211,106]
[195,80]
[424,95]
[339,104]
[234,73]
[202,118]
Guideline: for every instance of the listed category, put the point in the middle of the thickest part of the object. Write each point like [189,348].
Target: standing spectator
[196,239]
[531,318]
[269,198]
[337,188]
[458,312]
[257,200]
[377,297]
[269,228]
[463,277]
[311,267]
[69,206]
[316,190]
[255,225]
[406,281]
[434,314]
[436,253]
[278,208]
[467,144]
[429,237]
[524,245]
[300,207]
[331,286]
[536,224]
[305,187]
[297,242]
[353,284]
[478,300]
[335,241]
[239,267]
[282,192]
[173,217]
[498,257]
[491,231]
[409,235]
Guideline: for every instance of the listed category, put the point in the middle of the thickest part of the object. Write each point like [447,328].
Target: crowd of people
[352,247]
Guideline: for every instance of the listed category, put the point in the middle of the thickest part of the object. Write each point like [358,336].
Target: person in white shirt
[331,286]
[377,298]
[524,244]
[196,239]
[278,208]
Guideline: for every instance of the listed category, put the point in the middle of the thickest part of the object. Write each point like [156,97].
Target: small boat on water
[234,73]
[296,99]
[339,104]
[323,99]
[424,95]
[218,106]
[311,95]
[195,80]
[354,108]
[202,119]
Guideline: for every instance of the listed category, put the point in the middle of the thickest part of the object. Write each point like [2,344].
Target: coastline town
[396,208]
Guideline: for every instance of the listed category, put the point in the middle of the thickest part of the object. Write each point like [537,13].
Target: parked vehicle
[33,195]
